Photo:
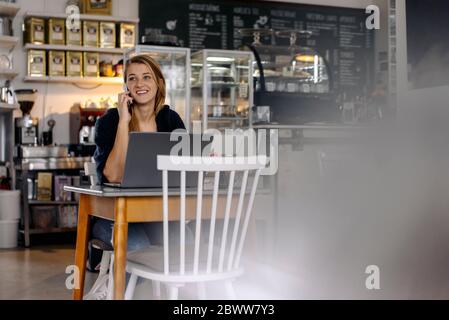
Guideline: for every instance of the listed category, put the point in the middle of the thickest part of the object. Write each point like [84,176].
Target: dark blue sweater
[167,120]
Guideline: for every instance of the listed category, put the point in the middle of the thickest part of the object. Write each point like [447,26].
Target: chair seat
[153,258]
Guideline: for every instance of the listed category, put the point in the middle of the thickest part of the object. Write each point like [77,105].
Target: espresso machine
[82,124]
[26,127]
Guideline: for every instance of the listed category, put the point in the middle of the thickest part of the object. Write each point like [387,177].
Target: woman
[142,109]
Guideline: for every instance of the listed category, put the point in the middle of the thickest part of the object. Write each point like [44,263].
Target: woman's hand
[124,99]
[115,164]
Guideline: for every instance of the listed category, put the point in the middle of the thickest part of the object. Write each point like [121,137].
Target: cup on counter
[217,111]
[348,112]
[270,86]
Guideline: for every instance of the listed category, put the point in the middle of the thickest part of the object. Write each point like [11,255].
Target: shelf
[50,230]
[8,41]
[35,164]
[306,95]
[48,203]
[8,73]
[217,85]
[9,9]
[89,17]
[30,46]
[4,107]
[222,119]
[80,80]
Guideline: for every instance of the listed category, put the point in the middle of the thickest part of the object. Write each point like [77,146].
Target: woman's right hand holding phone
[124,100]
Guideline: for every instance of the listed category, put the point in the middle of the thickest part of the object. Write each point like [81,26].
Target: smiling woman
[140,108]
[146,85]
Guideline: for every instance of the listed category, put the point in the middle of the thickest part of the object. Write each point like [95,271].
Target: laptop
[141,159]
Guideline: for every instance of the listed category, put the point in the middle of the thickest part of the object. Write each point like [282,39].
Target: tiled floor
[39,273]
[35,273]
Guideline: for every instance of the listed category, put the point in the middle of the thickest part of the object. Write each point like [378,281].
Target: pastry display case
[294,81]
[222,88]
[175,66]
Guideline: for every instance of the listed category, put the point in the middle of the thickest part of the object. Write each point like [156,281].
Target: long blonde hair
[147,60]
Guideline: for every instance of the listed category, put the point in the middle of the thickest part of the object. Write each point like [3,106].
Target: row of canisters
[83,33]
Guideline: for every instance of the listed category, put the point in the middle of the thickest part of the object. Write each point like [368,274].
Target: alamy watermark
[373,21]
[73,17]
[372,282]
[231,146]
[73,280]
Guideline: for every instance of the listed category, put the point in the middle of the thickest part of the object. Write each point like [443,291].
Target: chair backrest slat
[165,217]
[247,216]
[225,256]
[210,246]
[226,221]
[237,219]
[199,203]
[183,223]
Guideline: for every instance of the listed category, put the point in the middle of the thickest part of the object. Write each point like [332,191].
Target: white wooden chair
[200,262]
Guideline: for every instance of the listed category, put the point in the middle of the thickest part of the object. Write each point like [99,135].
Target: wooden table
[124,206]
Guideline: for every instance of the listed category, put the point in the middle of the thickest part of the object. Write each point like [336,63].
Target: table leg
[26,209]
[81,244]
[120,246]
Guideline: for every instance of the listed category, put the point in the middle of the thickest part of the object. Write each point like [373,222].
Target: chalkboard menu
[339,34]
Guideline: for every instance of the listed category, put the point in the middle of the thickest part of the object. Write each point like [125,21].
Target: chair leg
[173,292]
[156,289]
[201,286]
[111,279]
[229,288]
[129,293]
[104,264]
[96,291]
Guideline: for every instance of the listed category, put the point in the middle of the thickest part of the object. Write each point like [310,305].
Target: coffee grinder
[82,124]
[26,127]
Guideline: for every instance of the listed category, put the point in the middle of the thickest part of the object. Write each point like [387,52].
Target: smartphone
[130,104]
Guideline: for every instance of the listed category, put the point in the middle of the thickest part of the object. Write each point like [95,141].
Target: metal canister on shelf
[56,63]
[91,64]
[5,26]
[35,189]
[90,33]
[107,34]
[74,64]
[30,188]
[56,31]
[34,30]
[126,35]
[37,63]
[73,36]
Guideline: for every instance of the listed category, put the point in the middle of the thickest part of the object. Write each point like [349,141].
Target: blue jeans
[140,235]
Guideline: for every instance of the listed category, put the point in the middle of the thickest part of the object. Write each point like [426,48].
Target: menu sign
[339,34]
[208,26]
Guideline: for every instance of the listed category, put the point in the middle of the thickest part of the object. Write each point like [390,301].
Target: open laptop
[141,159]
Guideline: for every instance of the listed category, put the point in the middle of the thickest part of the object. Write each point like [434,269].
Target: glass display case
[294,81]
[292,68]
[222,88]
[175,66]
